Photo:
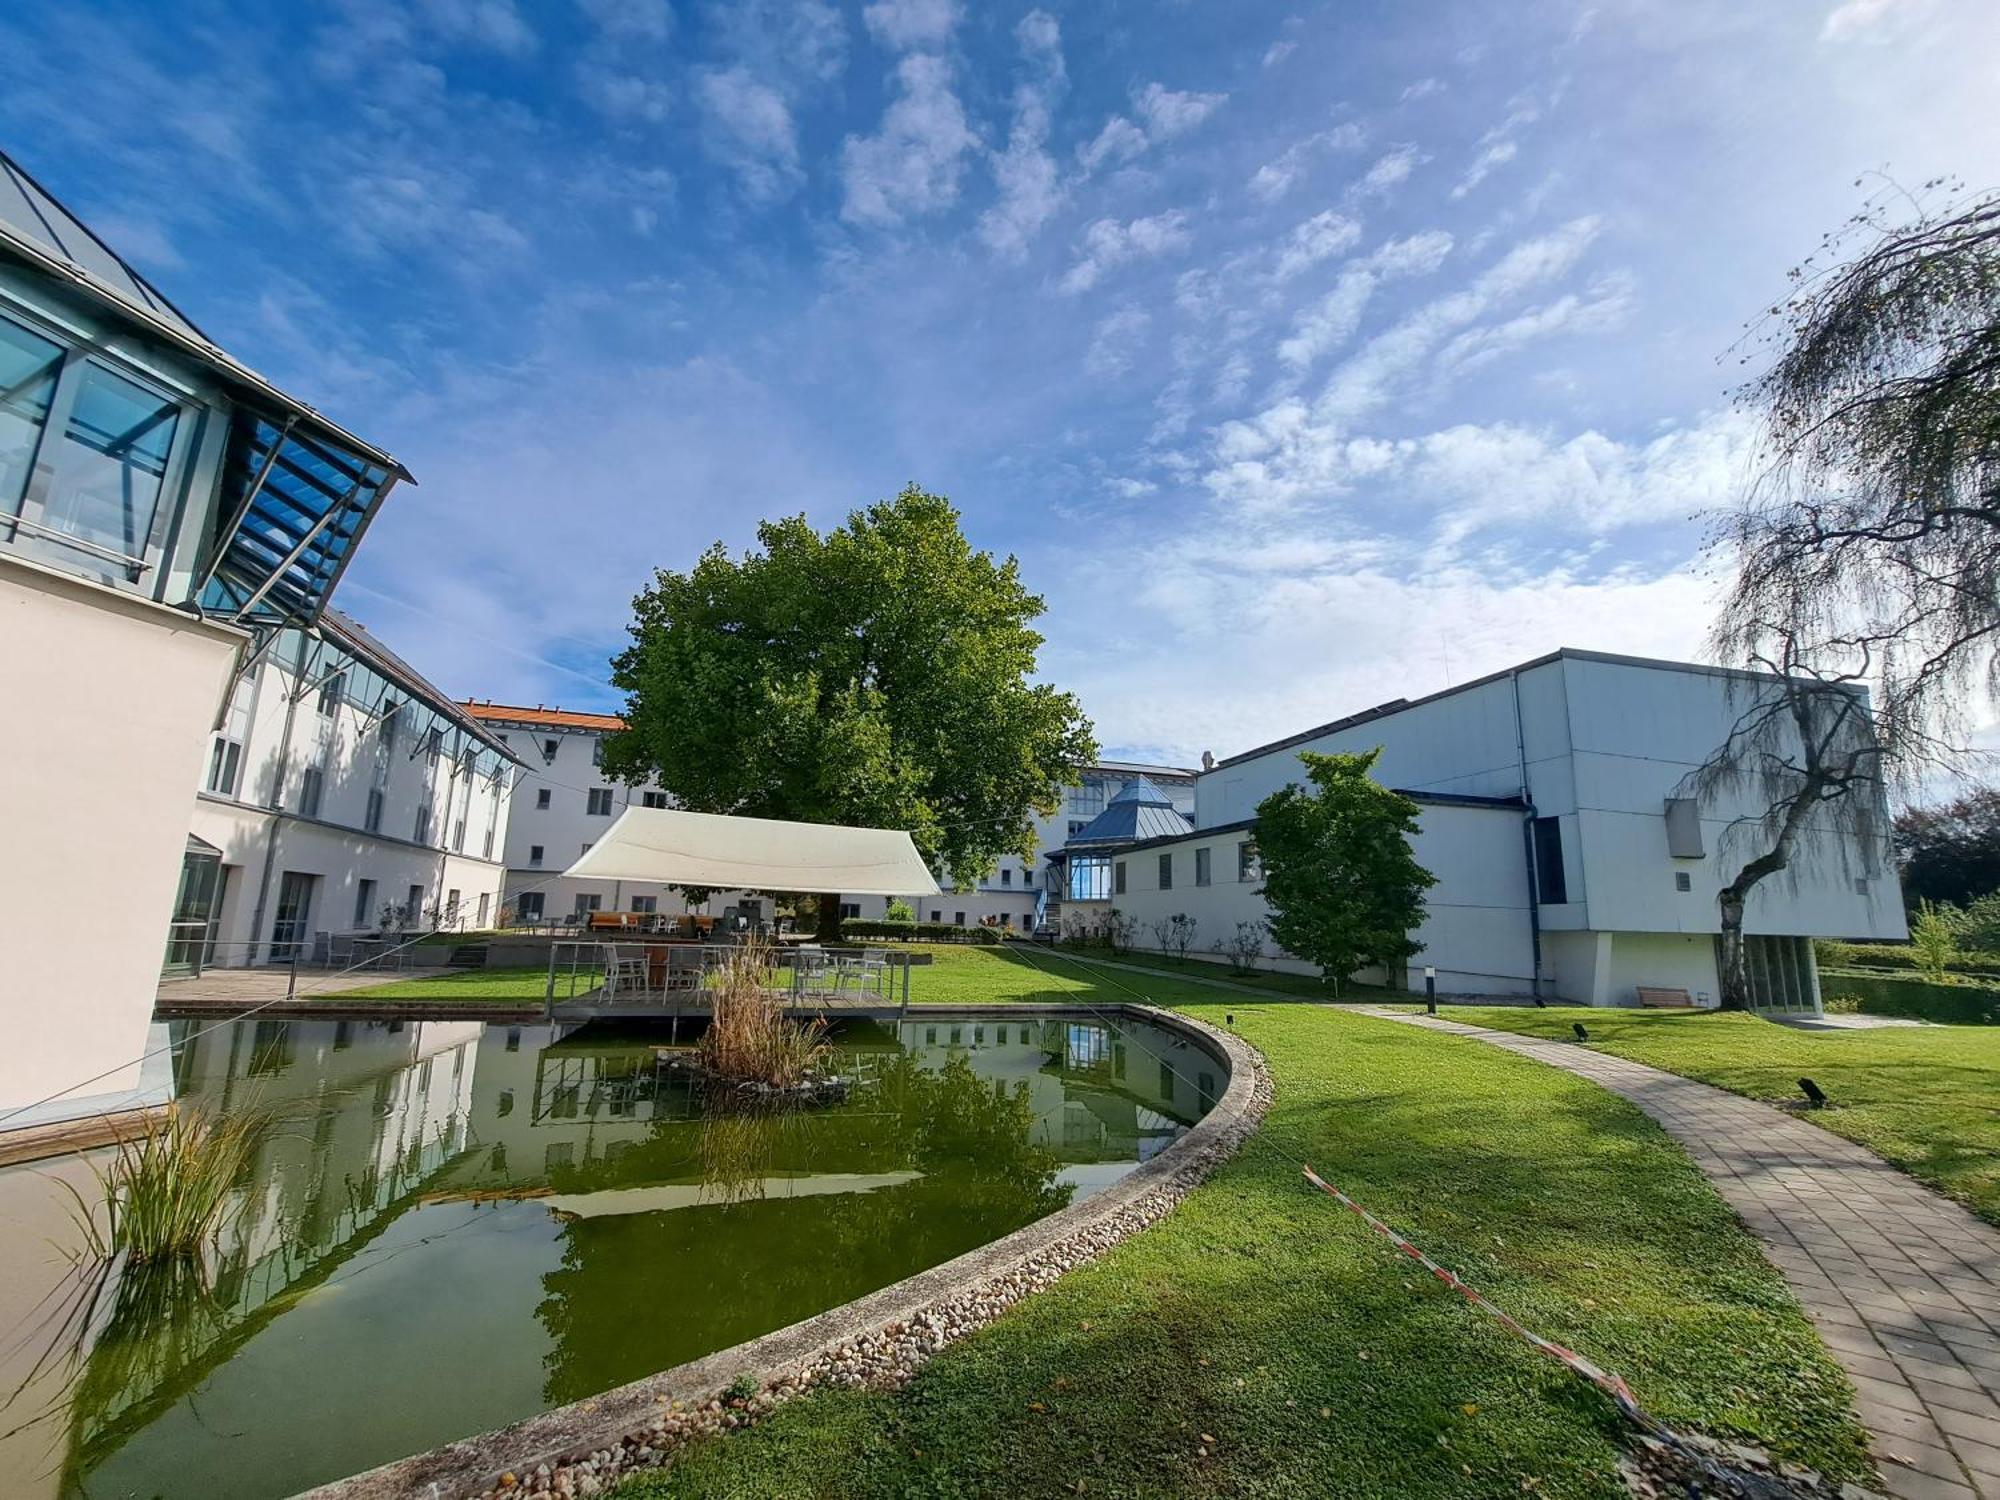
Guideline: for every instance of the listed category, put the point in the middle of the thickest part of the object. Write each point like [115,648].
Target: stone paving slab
[1903,1283]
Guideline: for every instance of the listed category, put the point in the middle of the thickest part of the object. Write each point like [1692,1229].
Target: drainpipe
[1528,847]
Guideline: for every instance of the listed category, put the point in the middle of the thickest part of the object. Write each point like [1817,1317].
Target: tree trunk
[1735,971]
[1735,896]
[827,926]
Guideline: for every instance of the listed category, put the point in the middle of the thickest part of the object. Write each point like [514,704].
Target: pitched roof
[542,718]
[1139,811]
[351,634]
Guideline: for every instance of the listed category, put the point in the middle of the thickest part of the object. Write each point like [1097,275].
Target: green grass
[1319,1361]
[519,986]
[1926,1098]
[1304,986]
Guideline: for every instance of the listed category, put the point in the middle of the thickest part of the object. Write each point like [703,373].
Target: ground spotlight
[1581,1034]
[1815,1095]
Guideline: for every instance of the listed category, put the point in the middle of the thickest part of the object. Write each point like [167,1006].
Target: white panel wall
[120,694]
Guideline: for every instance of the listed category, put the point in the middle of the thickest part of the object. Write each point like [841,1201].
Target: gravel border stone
[878,1341]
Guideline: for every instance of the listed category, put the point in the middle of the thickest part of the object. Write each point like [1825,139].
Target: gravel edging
[879,1340]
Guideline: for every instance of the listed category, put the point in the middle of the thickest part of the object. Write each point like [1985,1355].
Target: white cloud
[1276,178]
[1323,235]
[1423,88]
[1031,191]
[1389,171]
[912,165]
[747,126]
[1331,321]
[1168,114]
[624,96]
[1277,52]
[1603,306]
[637,20]
[1120,140]
[1108,243]
[793,38]
[492,24]
[1496,155]
[905,24]
[1865,19]
[1116,341]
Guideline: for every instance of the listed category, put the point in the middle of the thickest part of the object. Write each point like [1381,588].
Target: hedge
[1895,956]
[1892,995]
[918,932]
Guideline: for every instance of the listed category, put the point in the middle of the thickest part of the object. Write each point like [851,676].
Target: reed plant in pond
[750,1038]
[166,1189]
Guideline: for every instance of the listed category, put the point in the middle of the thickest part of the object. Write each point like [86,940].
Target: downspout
[1528,846]
[276,805]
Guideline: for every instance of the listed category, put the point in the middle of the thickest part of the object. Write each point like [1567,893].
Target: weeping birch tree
[1865,552]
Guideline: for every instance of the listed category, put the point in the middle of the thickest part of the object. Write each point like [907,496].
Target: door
[197,906]
[294,919]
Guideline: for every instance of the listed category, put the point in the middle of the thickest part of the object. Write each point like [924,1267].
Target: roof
[1426,799]
[1144,768]
[1140,811]
[351,634]
[1400,705]
[539,717]
[671,847]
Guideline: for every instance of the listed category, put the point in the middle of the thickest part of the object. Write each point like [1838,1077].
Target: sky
[1306,356]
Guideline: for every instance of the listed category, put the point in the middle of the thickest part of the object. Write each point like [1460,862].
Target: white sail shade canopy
[671,847]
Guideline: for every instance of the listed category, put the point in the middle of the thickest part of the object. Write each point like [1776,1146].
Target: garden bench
[1659,999]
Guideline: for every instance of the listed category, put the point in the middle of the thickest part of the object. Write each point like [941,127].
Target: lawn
[1926,1098]
[1263,1323]
[1302,986]
[515,986]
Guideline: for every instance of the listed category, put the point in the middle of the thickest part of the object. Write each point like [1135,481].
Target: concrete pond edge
[879,1340]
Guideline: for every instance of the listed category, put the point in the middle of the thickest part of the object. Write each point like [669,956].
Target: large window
[1087,798]
[1551,885]
[1118,877]
[1201,858]
[1166,872]
[372,820]
[84,450]
[311,783]
[1247,867]
[225,760]
[600,802]
[1090,877]
[652,799]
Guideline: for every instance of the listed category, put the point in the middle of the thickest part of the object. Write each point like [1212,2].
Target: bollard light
[1581,1034]
[1430,989]
[1815,1095]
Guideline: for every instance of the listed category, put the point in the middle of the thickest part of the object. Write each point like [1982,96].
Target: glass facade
[1090,877]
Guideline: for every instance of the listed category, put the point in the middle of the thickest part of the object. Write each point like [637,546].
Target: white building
[160,505]
[563,803]
[342,793]
[1551,811]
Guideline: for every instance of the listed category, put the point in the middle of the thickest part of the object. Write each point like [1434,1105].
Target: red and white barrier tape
[1612,1385]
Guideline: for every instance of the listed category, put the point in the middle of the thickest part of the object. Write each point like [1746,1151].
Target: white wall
[119,695]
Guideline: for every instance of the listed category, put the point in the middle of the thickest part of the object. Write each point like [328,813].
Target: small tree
[1181,929]
[1242,948]
[1344,889]
[1935,943]
[898,910]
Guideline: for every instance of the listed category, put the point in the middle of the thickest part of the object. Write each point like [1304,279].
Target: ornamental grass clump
[750,1038]
[166,1189]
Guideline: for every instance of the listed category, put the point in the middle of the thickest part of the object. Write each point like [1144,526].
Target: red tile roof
[543,718]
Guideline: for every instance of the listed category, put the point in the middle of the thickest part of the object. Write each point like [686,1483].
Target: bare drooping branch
[1872,531]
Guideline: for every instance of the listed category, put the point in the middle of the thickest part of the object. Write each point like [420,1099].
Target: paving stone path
[1903,1283]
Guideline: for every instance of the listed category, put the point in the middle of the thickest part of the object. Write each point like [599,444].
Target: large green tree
[1344,889]
[876,675]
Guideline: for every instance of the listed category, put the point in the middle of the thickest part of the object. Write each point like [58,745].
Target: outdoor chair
[811,969]
[624,970]
[685,968]
[862,975]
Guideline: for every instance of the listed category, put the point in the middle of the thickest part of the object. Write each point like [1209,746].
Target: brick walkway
[1903,1283]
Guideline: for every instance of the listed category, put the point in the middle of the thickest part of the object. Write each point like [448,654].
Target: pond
[448,1226]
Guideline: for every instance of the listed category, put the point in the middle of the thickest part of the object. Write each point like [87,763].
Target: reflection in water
[453,1225]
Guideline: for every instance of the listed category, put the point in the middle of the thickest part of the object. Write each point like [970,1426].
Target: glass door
[197,908]
[294,917]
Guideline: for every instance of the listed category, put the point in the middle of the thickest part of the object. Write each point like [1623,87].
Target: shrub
[1953,1004]
[1242,948]
[899,911]
[166,1188]
[1836,955]
[858,928]
[749,1038]
[1933,942]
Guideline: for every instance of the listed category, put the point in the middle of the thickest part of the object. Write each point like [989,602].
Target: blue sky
[1306,356]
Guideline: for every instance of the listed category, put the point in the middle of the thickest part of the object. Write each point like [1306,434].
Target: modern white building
[161,507]
[342,793]
[1570,863]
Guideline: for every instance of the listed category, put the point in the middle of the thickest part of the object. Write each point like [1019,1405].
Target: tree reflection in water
[733,1267]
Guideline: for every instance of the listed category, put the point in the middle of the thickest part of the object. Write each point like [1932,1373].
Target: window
[1166,872]
[1087,799]
[585,850]
[1090,877]
[958,919]
[652,799]
[486,845]
[1006,876]
[549,750]
[364,902]
[458,836]
[559,1154]
[485,905]
[1076,826]
[1201,862]
[372,822]
[528,906]
[534,854]
[646,903]
[850,908]
[600,802]
[1118,881]
[1551,888]
[29,365]
[311,782]
[451,909]
[294,915]
[1247,867]
[937,916]
[422,832]
[596,751]
[587,903]
[331,693]
[224,761]
[413,909]
[1683,881]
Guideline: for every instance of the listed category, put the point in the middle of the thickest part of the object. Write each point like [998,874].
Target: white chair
[624,971]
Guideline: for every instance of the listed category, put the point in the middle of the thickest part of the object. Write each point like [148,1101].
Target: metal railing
[613,973]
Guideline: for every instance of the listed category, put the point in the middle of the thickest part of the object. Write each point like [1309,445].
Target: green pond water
[449,1226]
